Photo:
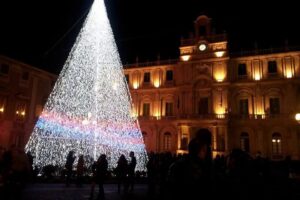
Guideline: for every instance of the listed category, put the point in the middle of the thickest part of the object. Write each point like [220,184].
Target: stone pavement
[61,192]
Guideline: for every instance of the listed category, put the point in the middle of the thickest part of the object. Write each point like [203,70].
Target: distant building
[246,101]
[23,93]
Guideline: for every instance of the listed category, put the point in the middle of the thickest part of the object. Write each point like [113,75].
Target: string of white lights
[89,109]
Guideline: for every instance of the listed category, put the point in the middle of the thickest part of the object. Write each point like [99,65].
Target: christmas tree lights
[89,109]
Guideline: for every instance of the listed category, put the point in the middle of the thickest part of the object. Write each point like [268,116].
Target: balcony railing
[152,63]
[220,117]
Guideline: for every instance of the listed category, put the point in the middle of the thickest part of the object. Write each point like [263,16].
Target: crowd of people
[237,175]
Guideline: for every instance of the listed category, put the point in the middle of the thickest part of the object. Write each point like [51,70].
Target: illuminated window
[276,144]
[147,77]
[167,141]
[169,75]
[244,142]
[146,109]
[242,69]
[169,109]
[272,67]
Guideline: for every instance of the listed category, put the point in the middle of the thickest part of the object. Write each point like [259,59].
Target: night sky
[41,35]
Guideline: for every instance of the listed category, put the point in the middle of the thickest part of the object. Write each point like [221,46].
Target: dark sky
[40,33]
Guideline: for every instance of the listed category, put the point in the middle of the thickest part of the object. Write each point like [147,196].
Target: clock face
[202,47]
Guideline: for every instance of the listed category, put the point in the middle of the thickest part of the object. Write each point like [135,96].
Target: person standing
[131,171]
[69,166]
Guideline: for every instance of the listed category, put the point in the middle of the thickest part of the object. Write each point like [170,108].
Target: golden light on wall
[2,109]
[135,85]
[186,58]
[156,83]
[157,115]
[219,54]
[257,70]
[257,76]
[220,112]
[219,76]
[219,72]
[288,67]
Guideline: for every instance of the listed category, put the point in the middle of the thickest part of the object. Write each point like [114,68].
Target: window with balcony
[276,144]
[169,109]
[167,141]
[147,77]
[169,75]
[244,142]
[272,67]
[203,106]
[242,70]
[146,109]
[274,106]
[243,105]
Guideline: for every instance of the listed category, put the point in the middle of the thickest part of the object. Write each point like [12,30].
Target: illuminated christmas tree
[89,109]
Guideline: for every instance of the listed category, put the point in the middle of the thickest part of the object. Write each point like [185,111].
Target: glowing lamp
[219,54]
[257,77]
[186,58]
[135,85]
[2,109]
[156,83]
[23,113]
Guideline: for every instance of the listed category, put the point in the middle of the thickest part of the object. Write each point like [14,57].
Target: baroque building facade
[23,93]
[246,101]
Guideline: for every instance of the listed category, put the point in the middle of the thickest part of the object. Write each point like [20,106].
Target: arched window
[244,141]
[167,141]
[145,137]
[276,144]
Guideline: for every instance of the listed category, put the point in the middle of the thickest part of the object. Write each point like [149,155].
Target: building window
[272,67]
[169,75]
[184,142]
[167,141]
[25,76]
[146,109]
[242,69]
[203,106]
[169,109]
[244,110]
[127,78]
[276,144]
[274,106]
[244,142]
[4,69]
[147,77]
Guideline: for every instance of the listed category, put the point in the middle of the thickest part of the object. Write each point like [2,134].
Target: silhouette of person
[190,176]
[131,171]
[69,166]
[80,170]
[121,172]
[101,168]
